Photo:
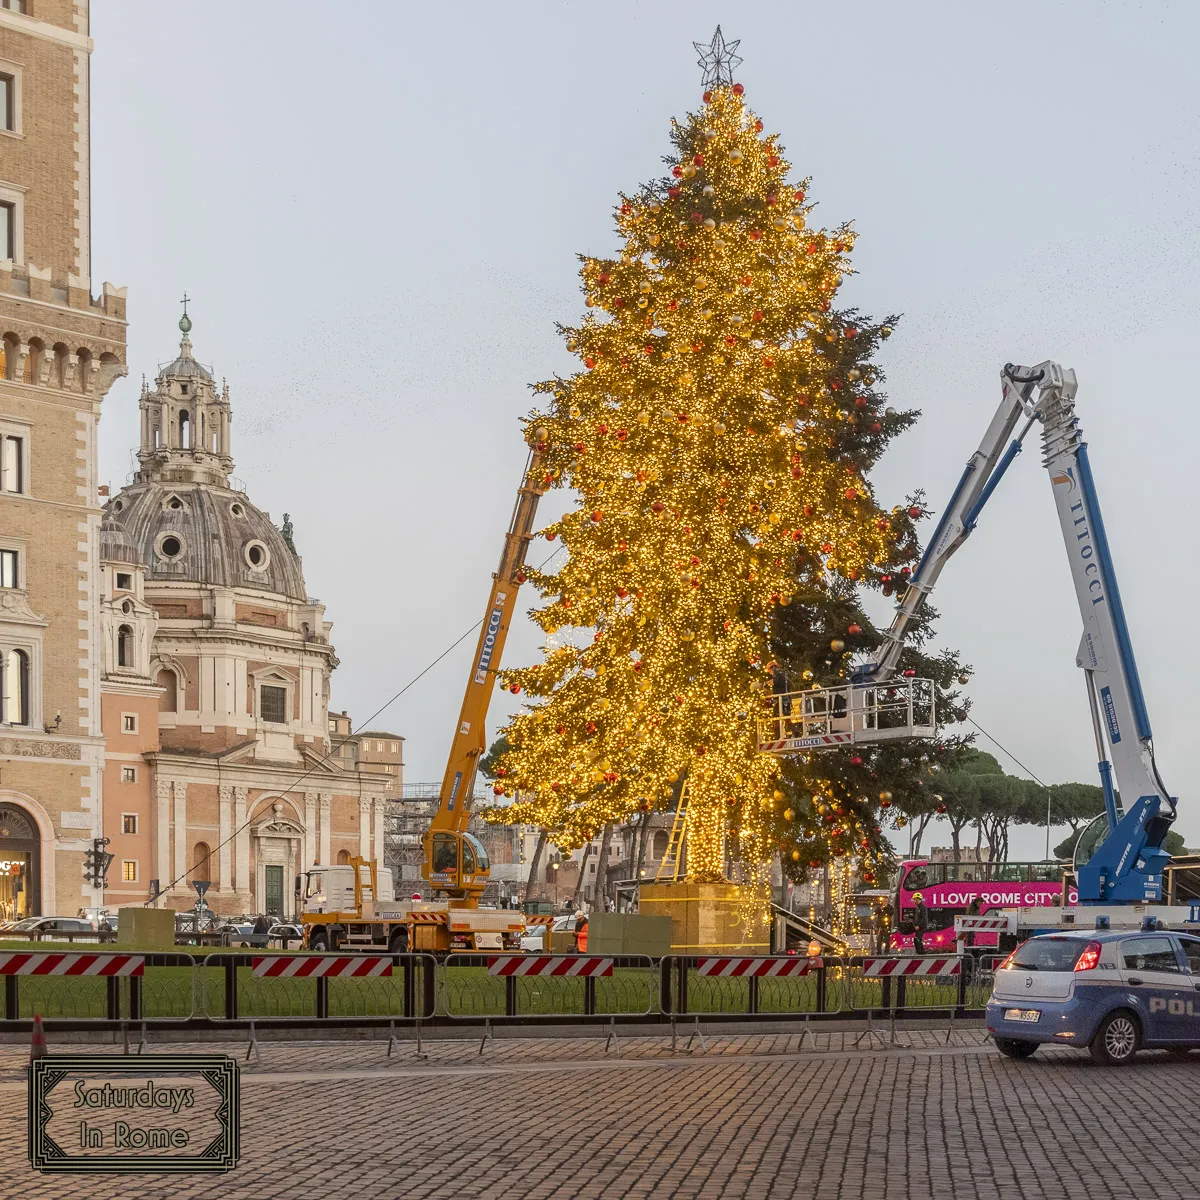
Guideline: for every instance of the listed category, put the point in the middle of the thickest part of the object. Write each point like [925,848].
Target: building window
[8,103]
[129,774]
[170,546]
[10,569]
[129,723]
[125,646]
[257,557]
[13,5]
[272,704]
[129,822]
[12,464]
[124,582]
[14,688]
[8,229]
[129,870]
[169,700]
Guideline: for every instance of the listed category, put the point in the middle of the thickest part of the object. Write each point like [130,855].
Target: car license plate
[1022,1014]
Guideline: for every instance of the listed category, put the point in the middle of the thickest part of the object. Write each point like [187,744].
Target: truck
[1121,882]
[354,906]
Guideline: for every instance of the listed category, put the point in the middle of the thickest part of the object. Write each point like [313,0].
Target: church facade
[215,679]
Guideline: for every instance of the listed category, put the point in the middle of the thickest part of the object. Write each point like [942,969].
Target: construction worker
[581,933]
[920,922]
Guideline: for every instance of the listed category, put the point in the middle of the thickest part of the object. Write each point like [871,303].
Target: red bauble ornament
[909,673]
[708,97]
[758,127]
[673,192]
[851,494]
[591,727]
[597,516]
[860,402]
[756,315]
[682,416]
[876,427]
[755,235]
[551,536]
[914,512]
[812,247]
[799,197]
[698,159]
[856,761]
[516,687]
[809,510]
[854,630]
[589,363]
[772,160]
[885,804]
[677,171]
[657,506]
[851,331]
[521,576]
[603,277]
[556,787]
[560,729]
[738,89]
[797,472]
[626,208]
[942,808]
[602,429]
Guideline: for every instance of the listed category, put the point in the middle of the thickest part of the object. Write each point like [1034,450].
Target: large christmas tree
[718,439]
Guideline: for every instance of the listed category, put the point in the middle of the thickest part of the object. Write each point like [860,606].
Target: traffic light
[95,863]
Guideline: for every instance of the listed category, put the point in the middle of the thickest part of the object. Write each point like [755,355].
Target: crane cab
[456,864]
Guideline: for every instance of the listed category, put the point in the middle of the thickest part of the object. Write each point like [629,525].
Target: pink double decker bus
[948,888]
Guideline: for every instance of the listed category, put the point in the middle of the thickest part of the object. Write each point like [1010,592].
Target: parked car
[533,940]
[1114,993]
[283,933]
[46,927]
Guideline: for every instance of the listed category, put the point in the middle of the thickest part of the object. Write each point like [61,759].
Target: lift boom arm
[469,744]
[1128,863]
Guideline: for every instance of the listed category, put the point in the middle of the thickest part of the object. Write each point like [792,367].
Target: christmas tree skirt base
[707,918]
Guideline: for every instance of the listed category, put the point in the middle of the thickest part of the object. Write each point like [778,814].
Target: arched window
[343,858]
[185,429]
[124,646]
[169,700]
[14,688]
[660,844]
[202,864]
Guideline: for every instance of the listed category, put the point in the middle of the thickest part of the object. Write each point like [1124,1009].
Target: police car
[1113,992]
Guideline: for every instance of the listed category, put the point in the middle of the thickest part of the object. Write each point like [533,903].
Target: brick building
[60,350]
[215,686]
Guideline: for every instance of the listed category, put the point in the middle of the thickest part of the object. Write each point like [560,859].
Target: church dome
[201,533]
[185,366]
[115,544]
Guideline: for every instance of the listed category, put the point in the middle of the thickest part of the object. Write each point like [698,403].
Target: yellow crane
[456,864]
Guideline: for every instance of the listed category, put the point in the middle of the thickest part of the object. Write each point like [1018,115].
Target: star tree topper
[718,60]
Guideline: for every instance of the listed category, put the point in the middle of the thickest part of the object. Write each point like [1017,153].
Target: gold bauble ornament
[964,679]
[736,156]
[795,856]
[788,814]
[885,796]
[837,645]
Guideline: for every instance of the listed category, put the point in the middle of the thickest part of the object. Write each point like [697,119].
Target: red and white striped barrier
[980,924]
[72,964]
[759,968]
[883,967]
[578,966]
[311,966]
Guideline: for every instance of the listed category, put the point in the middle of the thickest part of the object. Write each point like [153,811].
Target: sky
[377,207]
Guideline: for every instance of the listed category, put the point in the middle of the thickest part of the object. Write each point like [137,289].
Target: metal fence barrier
[224,987]
[307,987]
[749,985]
[547,985]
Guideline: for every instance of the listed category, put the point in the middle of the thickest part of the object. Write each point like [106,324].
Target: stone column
[310,830]
[379,805]
[162,841]
[181,862]
[325,800]
[364,827]
[224,829]
[241,842]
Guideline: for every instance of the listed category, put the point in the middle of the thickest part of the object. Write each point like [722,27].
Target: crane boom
[459,869]
[1128,864]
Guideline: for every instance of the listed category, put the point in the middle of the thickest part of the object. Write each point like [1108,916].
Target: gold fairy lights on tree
[717,439]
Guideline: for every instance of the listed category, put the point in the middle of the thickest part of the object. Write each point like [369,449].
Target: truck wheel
[1117,1040]
[398,942]
[1015,1048]
[318,942]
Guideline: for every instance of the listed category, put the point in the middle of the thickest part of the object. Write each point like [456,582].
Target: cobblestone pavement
[747,1116]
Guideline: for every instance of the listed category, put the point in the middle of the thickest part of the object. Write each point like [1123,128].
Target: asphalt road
[746,1116]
